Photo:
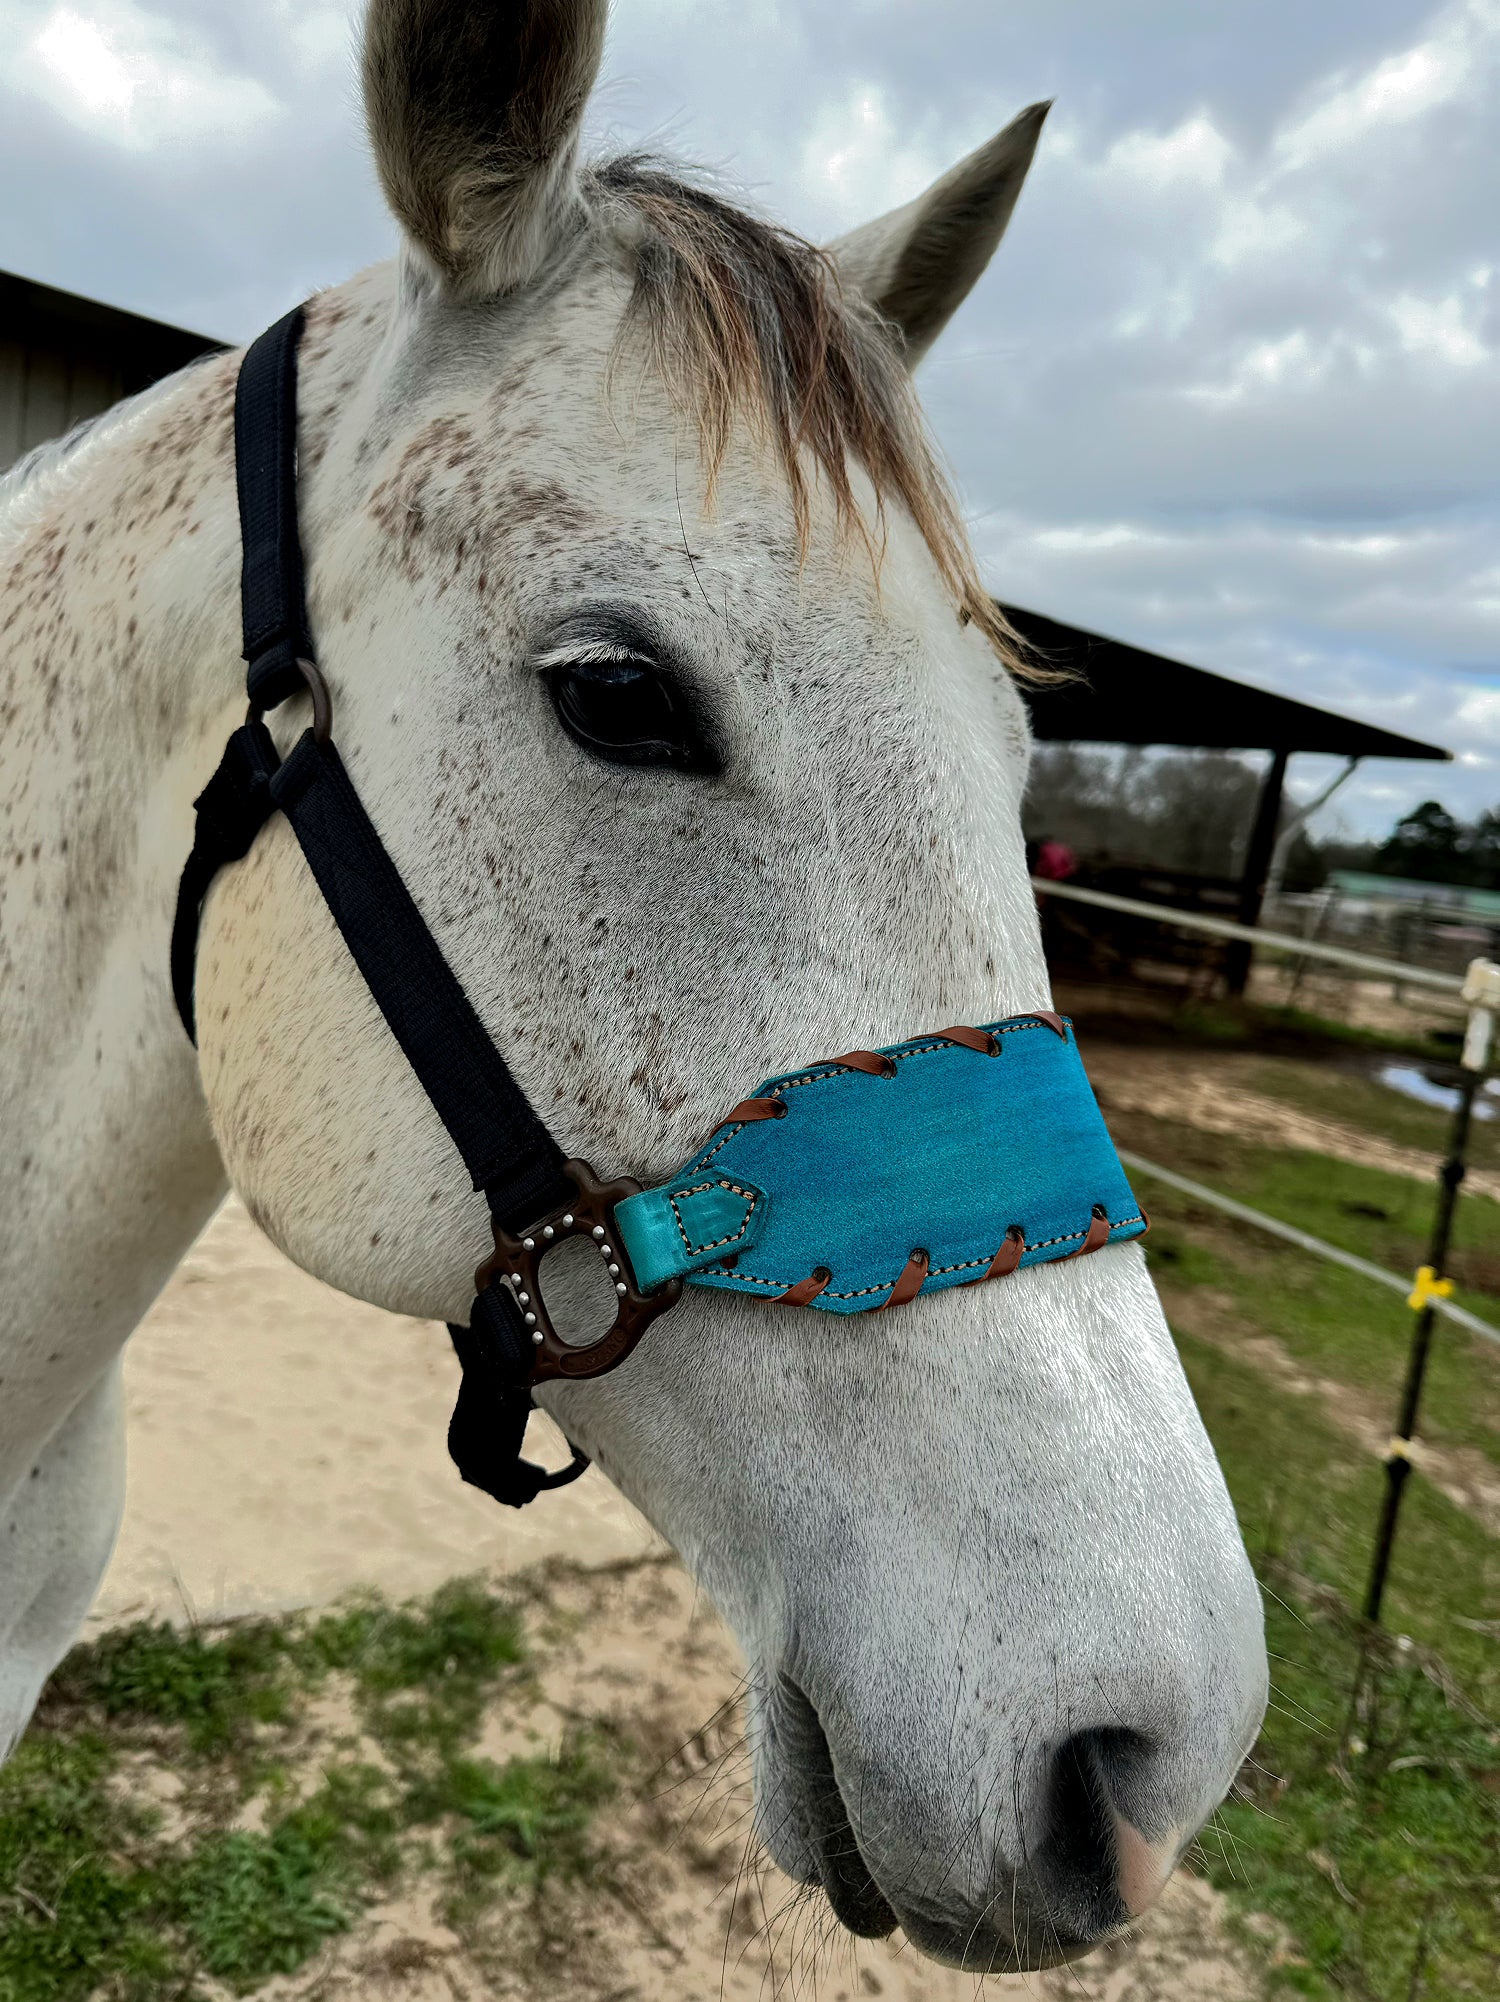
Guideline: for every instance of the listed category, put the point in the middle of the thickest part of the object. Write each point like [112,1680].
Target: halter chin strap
[507,1150]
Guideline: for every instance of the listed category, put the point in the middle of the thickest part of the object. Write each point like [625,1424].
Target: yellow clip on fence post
[1481,991]
[1427,1288]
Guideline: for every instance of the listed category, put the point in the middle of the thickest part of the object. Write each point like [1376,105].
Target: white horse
[1005,1646]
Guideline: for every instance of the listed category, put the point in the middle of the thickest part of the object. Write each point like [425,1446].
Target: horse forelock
[746,321]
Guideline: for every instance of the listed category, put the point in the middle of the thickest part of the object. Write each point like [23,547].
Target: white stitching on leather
[696,1250]
[889,1286]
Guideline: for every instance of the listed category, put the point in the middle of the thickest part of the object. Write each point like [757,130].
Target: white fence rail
[1304,1240]
[1304,948]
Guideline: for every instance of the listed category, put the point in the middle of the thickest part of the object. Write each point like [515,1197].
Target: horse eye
[630,712]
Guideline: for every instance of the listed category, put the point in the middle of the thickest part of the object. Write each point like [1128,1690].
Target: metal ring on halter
[517,1260]
[322,701]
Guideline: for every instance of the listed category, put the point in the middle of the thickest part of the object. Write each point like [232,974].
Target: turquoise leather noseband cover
[956,1154]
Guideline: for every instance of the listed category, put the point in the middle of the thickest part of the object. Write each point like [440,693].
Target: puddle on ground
[1414,1082]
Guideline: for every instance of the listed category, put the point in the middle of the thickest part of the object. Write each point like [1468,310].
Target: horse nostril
[1091,1857]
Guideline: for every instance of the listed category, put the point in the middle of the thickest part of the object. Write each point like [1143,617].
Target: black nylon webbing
[229,812]
[507,1150]
[273,595]
[488,1426]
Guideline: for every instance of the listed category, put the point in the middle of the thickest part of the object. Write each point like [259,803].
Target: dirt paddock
[286,1444]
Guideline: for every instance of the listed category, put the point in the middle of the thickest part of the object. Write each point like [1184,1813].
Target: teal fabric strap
[981,1159]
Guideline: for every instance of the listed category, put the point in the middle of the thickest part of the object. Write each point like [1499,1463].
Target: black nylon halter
[507,1150]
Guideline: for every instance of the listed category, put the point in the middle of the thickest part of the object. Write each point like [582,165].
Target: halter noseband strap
[507,1150]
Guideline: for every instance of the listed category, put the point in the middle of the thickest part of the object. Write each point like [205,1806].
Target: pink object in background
[1055,861]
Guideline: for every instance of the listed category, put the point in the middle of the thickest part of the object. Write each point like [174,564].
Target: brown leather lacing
[1098,1233]
[972,1039]
[1008,1257]
[806,1290]
[750,1109]
[870,1061]
[909,1285]
[915,1272]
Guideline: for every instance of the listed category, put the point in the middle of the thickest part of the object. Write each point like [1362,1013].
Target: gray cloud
[1232,388]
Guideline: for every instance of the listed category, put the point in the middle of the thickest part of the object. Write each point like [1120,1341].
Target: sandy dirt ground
[286,1444]
[1209,1091]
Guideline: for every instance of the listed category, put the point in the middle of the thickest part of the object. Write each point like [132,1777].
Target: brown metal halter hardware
[519,1260]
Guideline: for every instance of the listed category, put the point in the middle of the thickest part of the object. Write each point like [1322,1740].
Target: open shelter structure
[1123,694]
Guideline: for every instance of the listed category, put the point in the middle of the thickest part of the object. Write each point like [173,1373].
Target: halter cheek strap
[507,1150]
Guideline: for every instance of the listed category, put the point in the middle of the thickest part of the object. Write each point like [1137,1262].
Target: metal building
[63,358]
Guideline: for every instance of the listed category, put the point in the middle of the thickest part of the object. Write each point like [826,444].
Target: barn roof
[145,350]
[1128,695]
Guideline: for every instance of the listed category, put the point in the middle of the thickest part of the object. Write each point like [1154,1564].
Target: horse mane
[747,321]
[40,474]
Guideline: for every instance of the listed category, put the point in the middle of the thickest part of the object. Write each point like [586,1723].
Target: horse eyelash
[591,653]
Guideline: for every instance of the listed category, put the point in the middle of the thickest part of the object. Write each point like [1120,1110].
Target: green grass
[214,1688]
[1369,1828]
[1338,1324]
[1372,1855]
[1352,1098]
[1296,1031]
[1372,1836]
[417,1671]
[1237,1025]
[103,1894]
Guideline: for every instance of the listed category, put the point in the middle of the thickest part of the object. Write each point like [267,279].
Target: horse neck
[119,681]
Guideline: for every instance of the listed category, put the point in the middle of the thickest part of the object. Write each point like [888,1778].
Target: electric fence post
[1481,992]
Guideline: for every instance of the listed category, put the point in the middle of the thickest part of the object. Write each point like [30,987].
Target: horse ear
[474,111]
[919,263]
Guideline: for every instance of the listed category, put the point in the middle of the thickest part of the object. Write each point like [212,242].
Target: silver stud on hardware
[529,1242]
[516,1279]
[547,1230]
[524,1298]
[608,1250]
[621,1288]
[614,1272]
[568,1221]
[531,1320]
[598,1231]
[538,1337]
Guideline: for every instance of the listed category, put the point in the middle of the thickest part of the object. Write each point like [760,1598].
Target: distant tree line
[1192,810]
[1434,846]
[1187,810]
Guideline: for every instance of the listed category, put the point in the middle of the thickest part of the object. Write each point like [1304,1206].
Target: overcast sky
[1231,388]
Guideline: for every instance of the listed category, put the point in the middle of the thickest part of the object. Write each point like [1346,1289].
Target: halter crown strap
[507,1150]
[273,596]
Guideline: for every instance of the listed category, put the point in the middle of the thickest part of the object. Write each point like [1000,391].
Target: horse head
[662,665]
